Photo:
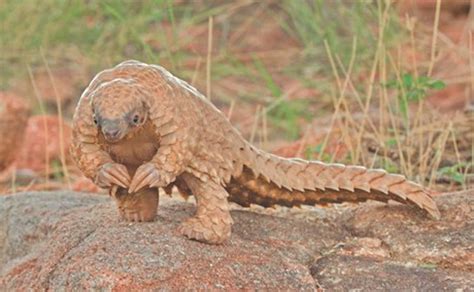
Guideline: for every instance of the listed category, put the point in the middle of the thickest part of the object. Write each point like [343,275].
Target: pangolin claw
[113,174]
[146,175]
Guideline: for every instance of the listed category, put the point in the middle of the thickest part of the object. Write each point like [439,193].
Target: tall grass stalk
[39,99]
[62,147]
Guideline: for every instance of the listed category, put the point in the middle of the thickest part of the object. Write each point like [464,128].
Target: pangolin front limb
[165,133]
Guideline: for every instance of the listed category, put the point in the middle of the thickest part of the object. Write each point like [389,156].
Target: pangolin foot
[138,215]
[207,229]
[138,207]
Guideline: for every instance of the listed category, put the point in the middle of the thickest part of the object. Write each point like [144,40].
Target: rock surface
[74,241]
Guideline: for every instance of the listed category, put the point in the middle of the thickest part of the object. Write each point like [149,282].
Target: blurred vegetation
[106,32]
[103,33]
[337,63]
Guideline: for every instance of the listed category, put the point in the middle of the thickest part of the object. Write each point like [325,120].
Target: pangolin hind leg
[212,221]
[139,206]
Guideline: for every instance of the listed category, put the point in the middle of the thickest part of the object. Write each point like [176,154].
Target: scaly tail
[266,179]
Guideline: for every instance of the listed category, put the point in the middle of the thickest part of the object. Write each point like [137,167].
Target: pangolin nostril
[112,133]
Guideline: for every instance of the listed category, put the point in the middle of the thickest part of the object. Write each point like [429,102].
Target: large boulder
[74,241]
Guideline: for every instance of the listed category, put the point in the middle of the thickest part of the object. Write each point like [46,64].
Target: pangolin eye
[95,121]
[136,119]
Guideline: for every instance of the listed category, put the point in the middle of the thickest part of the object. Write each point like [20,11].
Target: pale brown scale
[187,142]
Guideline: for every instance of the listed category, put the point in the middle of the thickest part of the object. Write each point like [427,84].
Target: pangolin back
[266,179]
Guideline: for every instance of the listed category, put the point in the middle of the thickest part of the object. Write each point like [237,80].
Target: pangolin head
[119,108]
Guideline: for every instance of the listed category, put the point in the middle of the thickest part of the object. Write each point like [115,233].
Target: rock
[26,220]
[14,113]
[448,243]
[73,241]
[395,249]
[83,184]
[344,273]
[43,142]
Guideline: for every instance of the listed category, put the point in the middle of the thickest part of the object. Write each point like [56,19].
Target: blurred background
[385,84]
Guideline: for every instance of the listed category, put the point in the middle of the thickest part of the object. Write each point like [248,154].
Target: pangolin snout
[111,131]
[112,134]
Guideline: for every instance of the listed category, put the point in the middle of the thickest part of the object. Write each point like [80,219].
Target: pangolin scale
[138,128]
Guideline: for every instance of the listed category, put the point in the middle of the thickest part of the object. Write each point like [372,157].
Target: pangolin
[137,128]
